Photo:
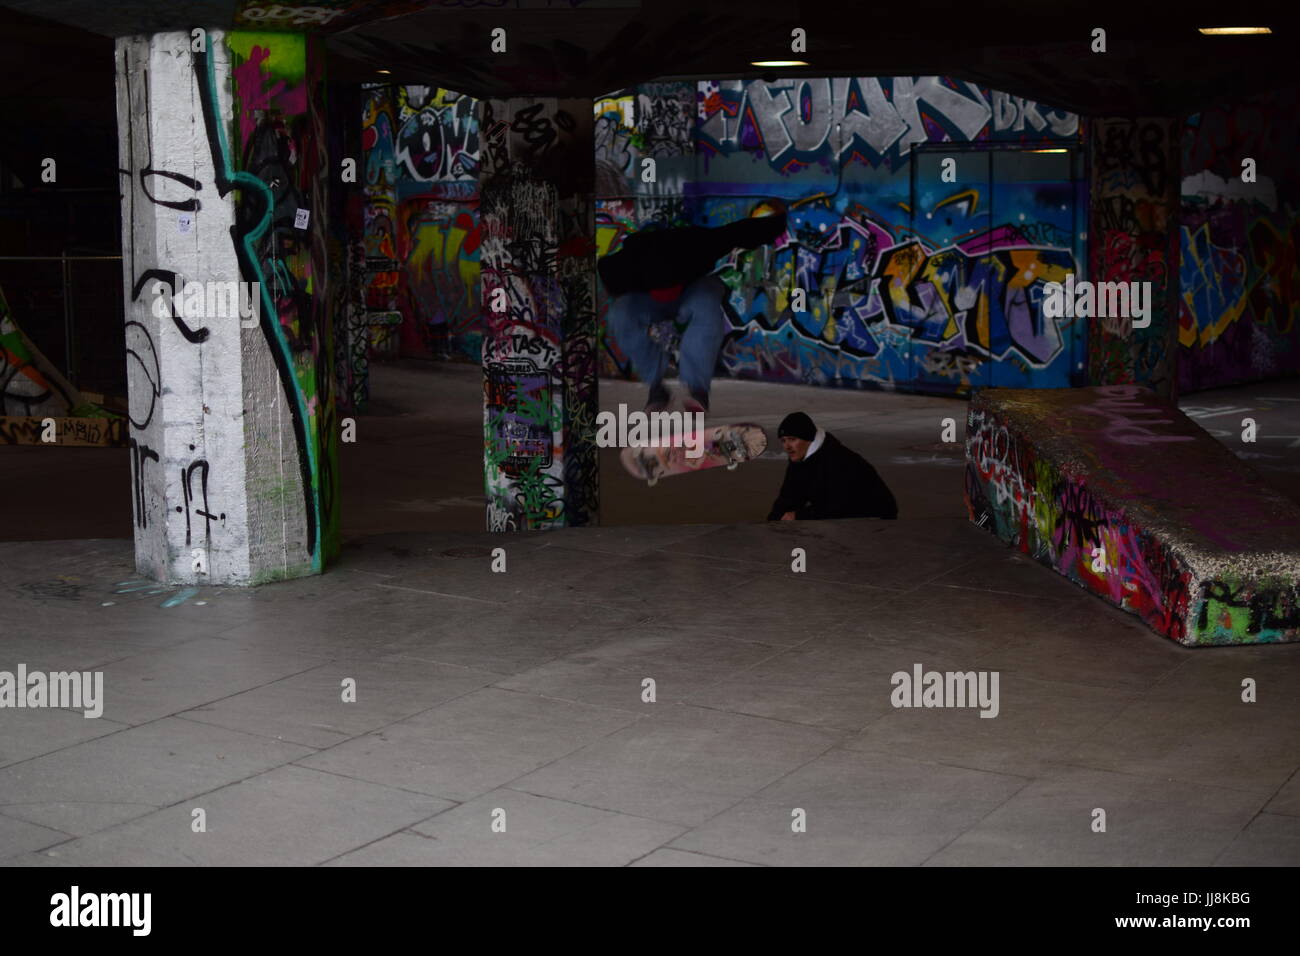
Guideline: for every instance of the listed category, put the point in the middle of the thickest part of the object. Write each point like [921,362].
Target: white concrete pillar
[230,424]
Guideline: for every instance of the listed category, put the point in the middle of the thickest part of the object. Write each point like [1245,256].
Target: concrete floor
[479,692]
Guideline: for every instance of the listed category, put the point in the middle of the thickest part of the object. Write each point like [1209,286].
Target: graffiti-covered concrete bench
[1123,494]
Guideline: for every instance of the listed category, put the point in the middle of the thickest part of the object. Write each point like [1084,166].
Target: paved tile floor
[503,718]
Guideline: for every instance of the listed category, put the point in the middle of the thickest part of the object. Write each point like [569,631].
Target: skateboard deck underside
[724,445]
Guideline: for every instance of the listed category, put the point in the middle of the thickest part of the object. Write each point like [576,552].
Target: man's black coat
[664,258]
[836,482]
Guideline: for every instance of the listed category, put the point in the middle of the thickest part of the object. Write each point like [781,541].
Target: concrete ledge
[1191,539]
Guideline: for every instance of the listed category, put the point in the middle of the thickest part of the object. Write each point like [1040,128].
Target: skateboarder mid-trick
[663,275]
[824,479]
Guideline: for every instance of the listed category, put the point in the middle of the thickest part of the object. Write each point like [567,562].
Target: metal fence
[72,308]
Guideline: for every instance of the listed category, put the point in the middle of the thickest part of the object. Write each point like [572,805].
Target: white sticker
[300,218]
[184,222]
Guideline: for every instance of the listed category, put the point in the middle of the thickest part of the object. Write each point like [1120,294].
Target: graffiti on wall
[29,384]
[423,150]
[278,80]
[1058,521]
[1240,244]
[438,139]
[902,290]
[1134,164]
[263,169]
[887,305]
[380,204]
[1073,520]
[872,120]
[539,347]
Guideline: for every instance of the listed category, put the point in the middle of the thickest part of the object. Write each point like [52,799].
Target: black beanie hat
[797,425]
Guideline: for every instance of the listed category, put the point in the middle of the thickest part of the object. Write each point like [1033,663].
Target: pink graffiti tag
[254,97]
[1119,409]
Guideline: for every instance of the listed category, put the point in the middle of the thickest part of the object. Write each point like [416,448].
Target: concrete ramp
[1123,494]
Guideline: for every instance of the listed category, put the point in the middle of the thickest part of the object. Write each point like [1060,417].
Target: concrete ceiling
[1156,62]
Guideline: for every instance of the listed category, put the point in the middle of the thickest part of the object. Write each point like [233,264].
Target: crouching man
[825,479]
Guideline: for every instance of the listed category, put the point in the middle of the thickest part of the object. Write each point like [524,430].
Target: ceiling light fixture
[383,71]
[777,63]
[1233,31]
[1056,150]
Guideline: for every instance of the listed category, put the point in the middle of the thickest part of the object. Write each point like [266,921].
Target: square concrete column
[537,217]
[232,430]
[1133,237]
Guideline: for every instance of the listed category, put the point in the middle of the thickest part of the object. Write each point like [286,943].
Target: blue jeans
[699,306]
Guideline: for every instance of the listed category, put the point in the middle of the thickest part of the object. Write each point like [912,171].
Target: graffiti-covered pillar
[232,429]
[1133,237]
[539,345]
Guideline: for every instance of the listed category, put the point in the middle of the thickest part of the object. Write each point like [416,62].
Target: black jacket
[836,482]
[663,258]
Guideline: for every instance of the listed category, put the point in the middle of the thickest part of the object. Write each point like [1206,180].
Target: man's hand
[788,516]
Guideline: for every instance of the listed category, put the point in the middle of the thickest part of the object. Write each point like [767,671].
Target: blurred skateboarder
[824,479]
[662,276]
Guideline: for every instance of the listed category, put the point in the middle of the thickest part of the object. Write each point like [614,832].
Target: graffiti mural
[422,155]
[438,139]
[440,291]
[911,281]
[1240,244]
[794,124]
[380,204]
[29,384]
[279,92]
[886,305]
[1131,239]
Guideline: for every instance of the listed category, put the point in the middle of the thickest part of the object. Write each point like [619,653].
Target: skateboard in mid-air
[727,445]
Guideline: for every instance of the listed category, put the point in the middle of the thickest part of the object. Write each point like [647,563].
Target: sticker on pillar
[520,410]
[300,218]
[185,223]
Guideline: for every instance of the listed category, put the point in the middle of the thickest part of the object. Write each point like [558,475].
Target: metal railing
[24,291]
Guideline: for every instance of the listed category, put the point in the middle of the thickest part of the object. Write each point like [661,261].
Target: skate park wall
[917,276]
[1081,480]
[1240,243]
[422,155]
[922,264]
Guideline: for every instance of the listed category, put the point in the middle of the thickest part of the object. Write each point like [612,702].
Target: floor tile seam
[232,783]
[366,733]
[677,849]
[992,810]
[122,727]
[44,826]
[501,604]
[1258,813]
[217,700]
[156,808]
[948,764]
[831,745]
[1186,781]
[378,839]
[375,783]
